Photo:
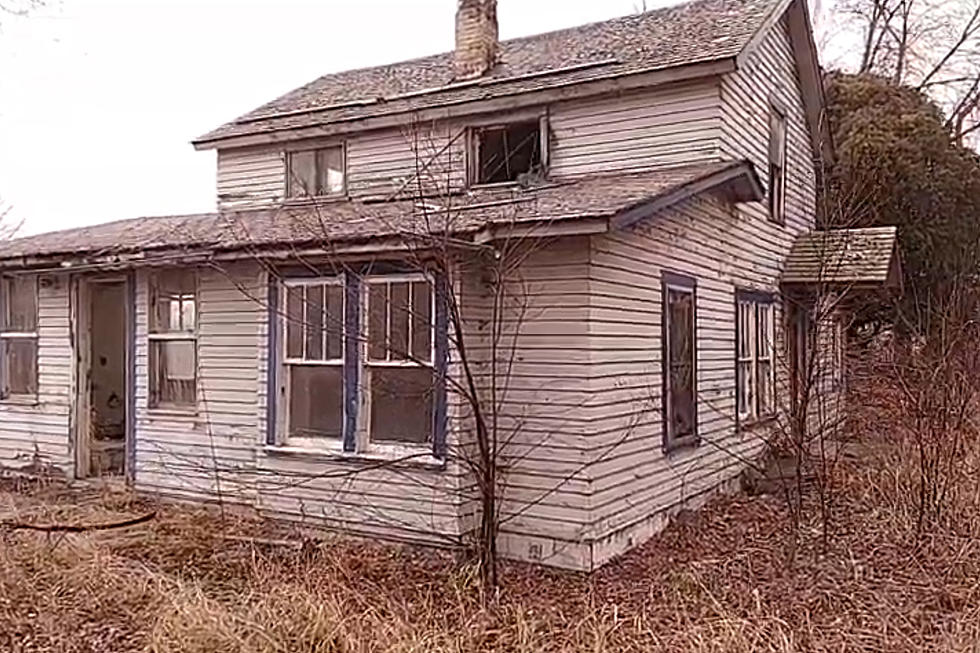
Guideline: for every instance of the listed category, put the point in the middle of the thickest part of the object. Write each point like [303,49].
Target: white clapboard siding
[651,128]
[210,455]
[250,177]
[39,433]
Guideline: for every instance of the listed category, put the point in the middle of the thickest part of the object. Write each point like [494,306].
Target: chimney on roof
[476,38]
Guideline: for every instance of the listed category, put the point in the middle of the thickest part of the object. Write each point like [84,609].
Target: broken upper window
[755,368]
[18,336]
[680,361]
[173,340]
[315,173]
[314,357]
[777,166]
[506,153]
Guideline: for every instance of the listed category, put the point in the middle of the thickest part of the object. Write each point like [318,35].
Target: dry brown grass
[721,580]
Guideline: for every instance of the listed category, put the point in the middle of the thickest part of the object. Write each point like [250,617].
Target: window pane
[335,322]
[505,153]
[744,373]
[422,321]
[764,330]
[302,174]
[294,322]
[401,404]
[764,371]
[316,395]
[173,372]
[377,321]
[173,302]
[398,328]
[681,357]
[20,301]
[331,171]
[314,323]
[19,366]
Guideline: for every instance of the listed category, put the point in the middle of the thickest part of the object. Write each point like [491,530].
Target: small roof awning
[845,257]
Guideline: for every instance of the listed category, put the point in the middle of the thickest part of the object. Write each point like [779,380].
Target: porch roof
[866,256]
[478,214]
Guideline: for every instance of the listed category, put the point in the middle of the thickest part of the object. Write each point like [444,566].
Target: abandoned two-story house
[650,184]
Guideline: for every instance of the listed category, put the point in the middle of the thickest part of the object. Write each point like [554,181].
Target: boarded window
[173,339]
[18,336]
[505,153]
[400,359]
[314,357]
[316,173]
[680,362]
[755,367]
[777,166]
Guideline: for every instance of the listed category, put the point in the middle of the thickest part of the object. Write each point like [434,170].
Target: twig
[84,528]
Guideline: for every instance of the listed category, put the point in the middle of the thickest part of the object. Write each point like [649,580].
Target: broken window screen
[402,379]
[18,336]
[173,339]
[316,173]
[314,351]
[505,153]
[680,364]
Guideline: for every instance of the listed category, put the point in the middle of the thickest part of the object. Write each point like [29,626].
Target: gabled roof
[597,203]
[844,257]
[701,31]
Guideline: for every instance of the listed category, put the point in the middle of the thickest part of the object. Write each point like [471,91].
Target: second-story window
[777,165]
[505,153]
[315,173]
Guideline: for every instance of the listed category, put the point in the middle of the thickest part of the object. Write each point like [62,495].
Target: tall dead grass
[720,580]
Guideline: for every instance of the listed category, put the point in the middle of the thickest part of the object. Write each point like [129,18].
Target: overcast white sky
[99,99]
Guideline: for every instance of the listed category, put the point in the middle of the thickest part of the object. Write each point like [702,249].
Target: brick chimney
[476,38]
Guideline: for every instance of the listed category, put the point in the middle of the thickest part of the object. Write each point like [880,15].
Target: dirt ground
[724,579]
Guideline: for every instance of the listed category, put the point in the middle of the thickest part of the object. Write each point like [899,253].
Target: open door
[103,406]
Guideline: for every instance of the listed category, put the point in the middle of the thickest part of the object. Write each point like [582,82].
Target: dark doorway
[103,358]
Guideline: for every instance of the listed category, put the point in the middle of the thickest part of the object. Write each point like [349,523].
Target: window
[840,347]
[173,340]
[777,165]
[679,361]
[506,153]
[315,173]
[400,359]
[314,358]
[18,336]
[363,372]
[755,365]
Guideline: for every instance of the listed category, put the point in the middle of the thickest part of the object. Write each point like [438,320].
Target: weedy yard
[724,579]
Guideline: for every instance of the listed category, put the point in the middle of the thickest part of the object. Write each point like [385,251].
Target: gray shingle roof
[696,32]
[349,221]
[843,256]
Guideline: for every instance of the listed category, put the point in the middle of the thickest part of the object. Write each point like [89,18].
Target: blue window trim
[440,412]
[272,373]
[352,359]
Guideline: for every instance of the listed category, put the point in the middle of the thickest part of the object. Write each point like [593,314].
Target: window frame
[287,363]
[759,305]
[20,336]
[671,281]
[475,131]
[289,153]
[155,336]
[365,431]
[778,122]
[356,440]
